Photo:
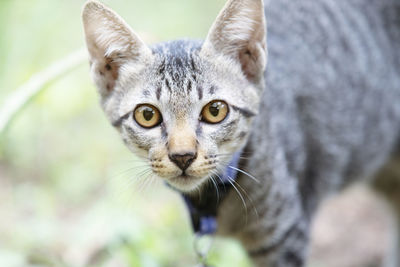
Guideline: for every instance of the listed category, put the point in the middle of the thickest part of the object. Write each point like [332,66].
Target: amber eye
[147,116]
[214,112]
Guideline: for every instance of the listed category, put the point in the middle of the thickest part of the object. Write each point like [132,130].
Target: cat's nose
[183,160]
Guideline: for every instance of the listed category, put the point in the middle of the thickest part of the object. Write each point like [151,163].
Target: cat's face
[183,106]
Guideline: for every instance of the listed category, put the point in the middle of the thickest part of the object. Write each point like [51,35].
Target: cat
[321,115]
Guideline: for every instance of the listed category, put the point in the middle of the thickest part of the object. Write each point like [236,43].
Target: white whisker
[216,187]
[246,173]
[219,178]
[248,197]
[230,179]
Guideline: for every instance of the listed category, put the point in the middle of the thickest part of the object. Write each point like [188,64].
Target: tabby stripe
[199,92]
[192,64]
[161,70]
[211,90]
[118,122]
[247,113]
[136,138]
[164,133]
[293,258]
[268,249]
[158,93]
[167,84]
[199,130]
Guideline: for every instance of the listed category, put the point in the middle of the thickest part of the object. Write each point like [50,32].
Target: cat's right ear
[111,44]
[239,34]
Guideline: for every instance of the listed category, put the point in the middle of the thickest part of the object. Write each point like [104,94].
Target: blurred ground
[352,229]
[40,229]
[70,192]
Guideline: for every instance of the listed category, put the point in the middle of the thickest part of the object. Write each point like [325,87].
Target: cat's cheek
[160,163]
[136,149]
[232,146]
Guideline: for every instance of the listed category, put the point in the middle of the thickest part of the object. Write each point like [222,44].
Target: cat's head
[184,106]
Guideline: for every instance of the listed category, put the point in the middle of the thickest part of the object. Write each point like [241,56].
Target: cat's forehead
[178,53]
[176,62]
[178,73]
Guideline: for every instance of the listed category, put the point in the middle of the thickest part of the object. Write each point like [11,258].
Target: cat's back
[338,64]
[334,36]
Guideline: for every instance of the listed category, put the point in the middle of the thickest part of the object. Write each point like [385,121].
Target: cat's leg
[281,249]
[387,183]
[278,235]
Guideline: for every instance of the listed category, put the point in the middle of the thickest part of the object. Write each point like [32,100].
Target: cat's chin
[186,183]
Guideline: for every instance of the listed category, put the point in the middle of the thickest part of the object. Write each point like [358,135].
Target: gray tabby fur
[328,108]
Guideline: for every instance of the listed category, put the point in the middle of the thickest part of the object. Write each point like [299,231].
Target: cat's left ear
[239,33]
[112,46]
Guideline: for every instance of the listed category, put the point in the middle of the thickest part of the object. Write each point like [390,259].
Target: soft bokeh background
[69,190]
[70,193]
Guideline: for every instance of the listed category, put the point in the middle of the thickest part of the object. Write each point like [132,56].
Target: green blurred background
[70,192]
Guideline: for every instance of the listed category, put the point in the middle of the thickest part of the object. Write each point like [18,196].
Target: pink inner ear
[251,61]
[108,72]
[248,67]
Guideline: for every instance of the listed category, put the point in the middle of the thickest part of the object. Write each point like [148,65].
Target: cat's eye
[214,112]
[147,116]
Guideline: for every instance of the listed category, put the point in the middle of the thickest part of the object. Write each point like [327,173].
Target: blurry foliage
[70,192]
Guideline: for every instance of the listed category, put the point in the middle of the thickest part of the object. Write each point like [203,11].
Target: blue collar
[203,209]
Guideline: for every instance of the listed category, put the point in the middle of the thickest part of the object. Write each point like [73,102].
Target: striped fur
[324,114]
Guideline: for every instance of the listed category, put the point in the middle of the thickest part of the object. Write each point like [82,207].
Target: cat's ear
[239,32]
[111,44]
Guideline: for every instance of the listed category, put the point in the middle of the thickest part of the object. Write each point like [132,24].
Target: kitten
[325,113]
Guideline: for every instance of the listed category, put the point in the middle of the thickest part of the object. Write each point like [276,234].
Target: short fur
[324,113]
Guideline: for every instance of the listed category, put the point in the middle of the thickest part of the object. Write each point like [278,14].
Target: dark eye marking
[241,135]
[158,93]
[132,133]
[192,64]
[146,93]
[230,125]
[161,69]
[118,122]
[164,133]
[244,111]
[211,90]
[199,130]
[189,86]
[229,128]
[135,138]
[200,92]
[168,85]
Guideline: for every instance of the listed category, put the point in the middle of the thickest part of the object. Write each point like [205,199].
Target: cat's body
[329,114]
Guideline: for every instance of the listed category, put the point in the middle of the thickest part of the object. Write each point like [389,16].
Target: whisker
[219,178]
[229,156]
[240,195]
[240,170]
[143,182]
[246,173]
[130,169]
[216,187]
[248,197]
[149,181]
[231,181]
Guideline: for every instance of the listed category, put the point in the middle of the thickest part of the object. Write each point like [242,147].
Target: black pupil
[214,108]
[148,114]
